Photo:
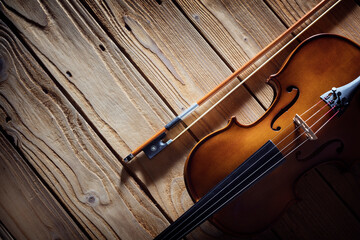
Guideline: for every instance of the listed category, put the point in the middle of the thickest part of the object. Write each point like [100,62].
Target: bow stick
[155,144]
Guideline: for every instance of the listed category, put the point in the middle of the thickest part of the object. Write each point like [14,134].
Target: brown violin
[242,177]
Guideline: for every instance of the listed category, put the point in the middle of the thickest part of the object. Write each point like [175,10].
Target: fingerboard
[263,161]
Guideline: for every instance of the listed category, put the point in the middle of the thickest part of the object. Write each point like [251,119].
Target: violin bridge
[309,133]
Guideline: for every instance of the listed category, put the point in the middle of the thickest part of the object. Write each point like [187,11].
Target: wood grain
[106,87]
[343,19]
[27,208]
[238,30]
[158,37]
[67,153]
[115,73]
[104,78]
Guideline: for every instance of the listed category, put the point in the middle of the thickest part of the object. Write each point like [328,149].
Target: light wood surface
[68,154]
[28,209]
[84,82]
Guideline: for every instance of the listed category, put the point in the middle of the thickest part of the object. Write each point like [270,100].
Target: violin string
[290,124]
[267,170]
[249,77]
[327,121]
[311,107]
[305,122]
[255,71]
[251,174]
[316,132]
[259,176]
[316,111]
[310,128]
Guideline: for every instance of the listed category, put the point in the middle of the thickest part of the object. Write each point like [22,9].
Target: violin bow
[155,144]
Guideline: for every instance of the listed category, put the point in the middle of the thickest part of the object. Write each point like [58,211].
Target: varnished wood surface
[83,83]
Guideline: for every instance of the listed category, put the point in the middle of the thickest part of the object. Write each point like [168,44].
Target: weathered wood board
[67,153]
[85,82]
[97,109]
[28,209]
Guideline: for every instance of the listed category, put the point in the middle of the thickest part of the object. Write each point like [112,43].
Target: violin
[242,177]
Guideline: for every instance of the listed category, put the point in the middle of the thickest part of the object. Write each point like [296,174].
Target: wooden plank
[92,69]
[28,210]
[343,19]
[238,30]
[144,31]
[173,56]
[149,33]
[67,153]
[68,28]
[317,214]
[135,106]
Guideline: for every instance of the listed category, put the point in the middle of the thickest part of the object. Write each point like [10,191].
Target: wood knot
[92,199]
[13,135]
[102,47]
[196,17]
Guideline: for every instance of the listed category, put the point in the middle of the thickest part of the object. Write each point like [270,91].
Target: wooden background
[84,82]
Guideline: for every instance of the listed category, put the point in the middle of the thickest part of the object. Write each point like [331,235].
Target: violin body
[314,67]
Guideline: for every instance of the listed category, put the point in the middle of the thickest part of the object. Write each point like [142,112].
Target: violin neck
[263,161]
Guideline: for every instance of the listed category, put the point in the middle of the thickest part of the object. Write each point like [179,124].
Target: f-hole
[287,107]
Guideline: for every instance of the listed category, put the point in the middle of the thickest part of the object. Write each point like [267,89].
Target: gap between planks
[142,185]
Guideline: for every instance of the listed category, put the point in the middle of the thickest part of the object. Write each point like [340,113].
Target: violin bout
[316,66]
